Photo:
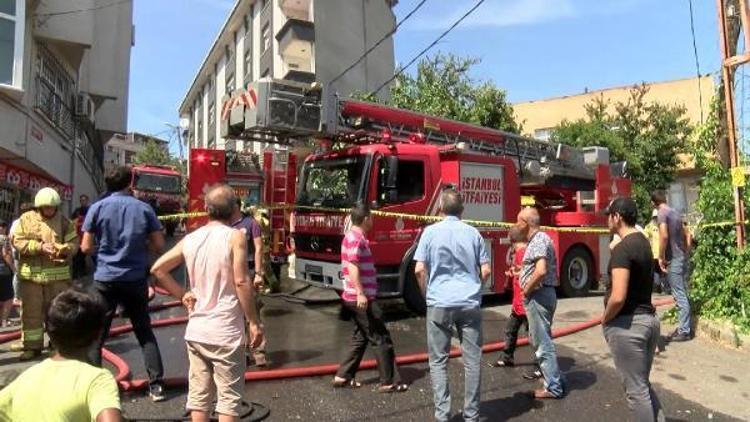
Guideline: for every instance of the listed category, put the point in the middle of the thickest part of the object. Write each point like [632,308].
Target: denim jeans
[632,340]
[133,296]
[467,321]
[540,309]
[677,278]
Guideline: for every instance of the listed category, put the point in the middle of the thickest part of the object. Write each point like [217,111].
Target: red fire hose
[123,371]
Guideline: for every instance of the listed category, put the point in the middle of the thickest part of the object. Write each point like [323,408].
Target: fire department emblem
[399,224]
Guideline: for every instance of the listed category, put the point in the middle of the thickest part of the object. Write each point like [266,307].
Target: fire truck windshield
[157,182]
[334,183]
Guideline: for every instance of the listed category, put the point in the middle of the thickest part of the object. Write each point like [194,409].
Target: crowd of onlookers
[45,252]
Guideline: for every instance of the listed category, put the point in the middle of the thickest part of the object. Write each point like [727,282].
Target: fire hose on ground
[123,370]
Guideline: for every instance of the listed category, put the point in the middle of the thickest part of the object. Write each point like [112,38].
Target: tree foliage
[443,87]
[720,286]
[155,155]
[648,135]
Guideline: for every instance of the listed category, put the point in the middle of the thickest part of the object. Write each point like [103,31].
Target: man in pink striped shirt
[360,290]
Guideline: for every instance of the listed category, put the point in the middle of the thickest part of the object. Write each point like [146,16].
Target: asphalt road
[302,335]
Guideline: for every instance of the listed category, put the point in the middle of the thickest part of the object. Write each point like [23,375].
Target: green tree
[443,87]
[648,135]
[720,281]
[155,155]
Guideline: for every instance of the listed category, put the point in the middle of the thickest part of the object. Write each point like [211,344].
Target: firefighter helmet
[47,197]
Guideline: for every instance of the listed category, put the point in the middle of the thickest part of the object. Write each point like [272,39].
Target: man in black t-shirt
[631,327]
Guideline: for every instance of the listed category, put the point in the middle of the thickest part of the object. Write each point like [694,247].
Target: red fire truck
[161,187]
[270,182]
[399,161]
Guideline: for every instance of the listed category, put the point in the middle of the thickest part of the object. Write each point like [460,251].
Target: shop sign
[32,182]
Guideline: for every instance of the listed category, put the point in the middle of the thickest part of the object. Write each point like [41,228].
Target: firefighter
[46,241]
[271,280]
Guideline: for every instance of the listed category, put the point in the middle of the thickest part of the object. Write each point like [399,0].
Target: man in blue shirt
[451,263]
[120,231]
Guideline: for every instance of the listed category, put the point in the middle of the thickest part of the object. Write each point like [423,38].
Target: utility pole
[729,62]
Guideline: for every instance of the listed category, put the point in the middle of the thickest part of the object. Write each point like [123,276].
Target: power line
[697,63]
[380,41]
[426,49]
[70,12]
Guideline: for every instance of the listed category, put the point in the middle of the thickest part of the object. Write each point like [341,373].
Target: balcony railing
[78,133]
[92,158]
[52,106]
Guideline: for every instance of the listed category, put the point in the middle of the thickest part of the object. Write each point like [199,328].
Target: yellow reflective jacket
[265,230]
[652,234]
[33,230]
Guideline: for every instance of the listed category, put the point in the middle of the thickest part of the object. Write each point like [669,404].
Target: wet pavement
[302,335]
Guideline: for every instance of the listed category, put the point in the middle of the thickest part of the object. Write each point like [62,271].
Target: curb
[724,333]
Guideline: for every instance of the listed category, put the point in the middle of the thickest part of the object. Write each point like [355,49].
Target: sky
[531,48]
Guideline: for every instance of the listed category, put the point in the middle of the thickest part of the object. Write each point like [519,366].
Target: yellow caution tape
[403,216]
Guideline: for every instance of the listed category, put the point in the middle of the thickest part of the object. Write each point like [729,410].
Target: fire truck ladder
[279,187]
[535,159]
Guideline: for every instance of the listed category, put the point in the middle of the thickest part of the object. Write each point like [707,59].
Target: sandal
[502,363]
[393,388]
[352,383]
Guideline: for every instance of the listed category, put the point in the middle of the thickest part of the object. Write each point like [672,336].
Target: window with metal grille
[55,91]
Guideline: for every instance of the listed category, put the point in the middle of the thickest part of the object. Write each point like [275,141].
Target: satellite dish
[184,123]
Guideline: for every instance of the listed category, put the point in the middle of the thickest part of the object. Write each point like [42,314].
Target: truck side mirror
[392,174]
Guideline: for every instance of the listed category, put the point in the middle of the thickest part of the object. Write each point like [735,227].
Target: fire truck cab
[161,187]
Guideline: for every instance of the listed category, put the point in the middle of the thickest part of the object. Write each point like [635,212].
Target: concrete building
[540,117]
[64,71]
[122,147]
[301,40]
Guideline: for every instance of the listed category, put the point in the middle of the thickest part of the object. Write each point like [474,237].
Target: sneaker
[543,394]
[156,392]
[17,347]
[681,337]
[533,375]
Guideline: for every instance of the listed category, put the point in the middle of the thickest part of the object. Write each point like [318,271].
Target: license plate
[314,269]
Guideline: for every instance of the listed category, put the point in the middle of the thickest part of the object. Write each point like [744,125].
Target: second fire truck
[399,161]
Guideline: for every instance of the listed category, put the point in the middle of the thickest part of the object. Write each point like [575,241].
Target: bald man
[220,300]
[538,281]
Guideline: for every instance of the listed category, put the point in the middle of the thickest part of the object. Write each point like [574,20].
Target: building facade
[122,147]
[64,71]
[540,117]
[300,40]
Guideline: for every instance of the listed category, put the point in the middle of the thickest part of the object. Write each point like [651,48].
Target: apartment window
[199,135]
[230,84]
[264,3]
[248,64]
[12,19]
[544,134]
[55,91]
[211,114]
[265,38]
[229,52]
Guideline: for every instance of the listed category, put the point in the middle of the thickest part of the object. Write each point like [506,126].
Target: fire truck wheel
[577,272]
[412,295]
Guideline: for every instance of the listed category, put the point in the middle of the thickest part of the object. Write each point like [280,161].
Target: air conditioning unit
[85,106]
